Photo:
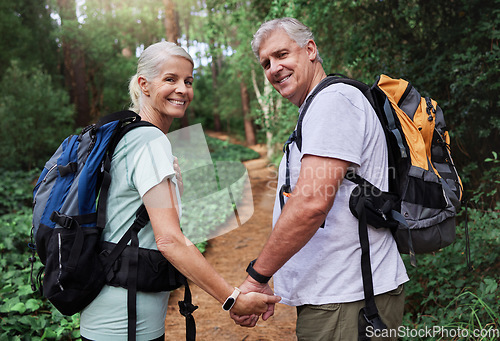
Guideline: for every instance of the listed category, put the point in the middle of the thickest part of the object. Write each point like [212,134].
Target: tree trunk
[245,104]
[74,67]
[173,34]
[171,22]
[215,74]
[266,105]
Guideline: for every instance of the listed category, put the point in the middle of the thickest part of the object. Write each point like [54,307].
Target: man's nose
[275,66]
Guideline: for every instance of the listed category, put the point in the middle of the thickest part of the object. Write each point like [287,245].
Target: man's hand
[250,285]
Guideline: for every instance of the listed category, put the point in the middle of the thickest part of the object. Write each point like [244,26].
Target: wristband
[255,275]
[231,300]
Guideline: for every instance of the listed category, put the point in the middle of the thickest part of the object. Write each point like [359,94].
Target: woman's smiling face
[172,91]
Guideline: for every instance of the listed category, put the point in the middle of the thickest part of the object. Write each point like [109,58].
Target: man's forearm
[292,231]
[303,213]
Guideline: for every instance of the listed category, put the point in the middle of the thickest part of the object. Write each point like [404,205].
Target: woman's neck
[152,116]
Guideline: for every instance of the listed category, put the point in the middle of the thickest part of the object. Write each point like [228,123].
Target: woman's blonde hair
[148,66]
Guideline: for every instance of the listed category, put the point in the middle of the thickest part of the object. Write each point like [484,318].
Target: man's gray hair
[296,30]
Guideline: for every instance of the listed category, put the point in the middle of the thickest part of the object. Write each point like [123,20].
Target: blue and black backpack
[69,215]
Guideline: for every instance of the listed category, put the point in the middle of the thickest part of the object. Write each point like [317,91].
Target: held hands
[254,290]
[253,303]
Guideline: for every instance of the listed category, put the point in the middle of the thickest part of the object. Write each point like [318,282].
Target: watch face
[229,303]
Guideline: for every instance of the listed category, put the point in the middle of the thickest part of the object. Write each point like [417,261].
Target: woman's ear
[143,84]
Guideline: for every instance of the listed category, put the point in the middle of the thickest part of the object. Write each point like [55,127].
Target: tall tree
[215,66]
[232,25]
[268,107]
[172,30]
[74,62]
[247,121]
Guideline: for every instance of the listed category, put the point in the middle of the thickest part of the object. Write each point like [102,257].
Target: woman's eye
[169,79]
[190,83]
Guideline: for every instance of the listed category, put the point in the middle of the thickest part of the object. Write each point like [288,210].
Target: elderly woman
[143,171]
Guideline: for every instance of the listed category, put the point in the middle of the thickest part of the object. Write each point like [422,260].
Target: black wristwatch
[255,275]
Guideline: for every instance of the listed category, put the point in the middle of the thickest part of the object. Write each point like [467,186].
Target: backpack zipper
[430,109]
[43,180]
[93,139]
[60,265]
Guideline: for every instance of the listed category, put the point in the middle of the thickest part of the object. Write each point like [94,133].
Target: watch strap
[255,275]
[231,300]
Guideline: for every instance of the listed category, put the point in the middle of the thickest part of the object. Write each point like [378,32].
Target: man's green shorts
[339,321]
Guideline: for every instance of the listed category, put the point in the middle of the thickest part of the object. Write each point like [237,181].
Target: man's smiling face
[287,66]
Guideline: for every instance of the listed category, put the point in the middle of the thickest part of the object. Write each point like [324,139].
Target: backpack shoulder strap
[329,80]
[106,176]
[125,115]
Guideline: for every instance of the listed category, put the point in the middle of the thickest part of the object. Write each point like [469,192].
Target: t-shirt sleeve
[334,125]
[153,162]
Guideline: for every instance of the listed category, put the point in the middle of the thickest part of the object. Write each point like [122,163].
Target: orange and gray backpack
[425,189]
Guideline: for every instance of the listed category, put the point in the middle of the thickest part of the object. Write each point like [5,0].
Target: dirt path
[230,254]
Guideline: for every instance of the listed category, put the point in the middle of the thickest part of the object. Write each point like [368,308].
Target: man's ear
[143,84]
[312,50]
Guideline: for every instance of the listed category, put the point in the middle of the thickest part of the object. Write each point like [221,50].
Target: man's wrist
[255,275]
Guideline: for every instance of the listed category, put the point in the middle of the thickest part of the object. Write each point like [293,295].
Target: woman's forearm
[190,262]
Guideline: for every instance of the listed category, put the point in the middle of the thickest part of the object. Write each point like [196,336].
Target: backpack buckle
[186,308]
[375,321]
[291,138]
[141,217]
[62,219]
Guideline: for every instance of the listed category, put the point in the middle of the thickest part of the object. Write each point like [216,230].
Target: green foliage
[443,292]
[25,316]
[16,190]
[202,107]
[225,151]
[35,117]
[109,38]
[26,29]
[488,189]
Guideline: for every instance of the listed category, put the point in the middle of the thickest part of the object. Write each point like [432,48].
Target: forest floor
[230,254]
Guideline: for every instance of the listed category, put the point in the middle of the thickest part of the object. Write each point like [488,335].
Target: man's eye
[283,54]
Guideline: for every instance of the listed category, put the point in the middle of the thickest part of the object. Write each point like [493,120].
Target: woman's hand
[253,303]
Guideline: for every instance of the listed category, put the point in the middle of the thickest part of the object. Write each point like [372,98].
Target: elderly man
[314,250]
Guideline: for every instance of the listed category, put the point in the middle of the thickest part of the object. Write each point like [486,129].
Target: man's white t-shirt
[142,159]
[340,123]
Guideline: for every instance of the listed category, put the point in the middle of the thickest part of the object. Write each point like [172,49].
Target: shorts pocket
[327,307]
[397,291]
